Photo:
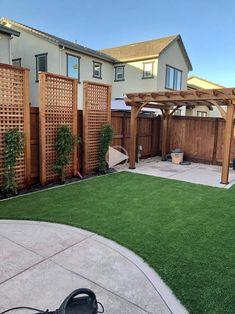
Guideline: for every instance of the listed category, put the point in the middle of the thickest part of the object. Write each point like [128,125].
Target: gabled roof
[202,79]
[8,31]
[59,41]
[146,49]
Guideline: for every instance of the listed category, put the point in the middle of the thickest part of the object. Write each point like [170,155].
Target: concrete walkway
[41,263]
[194,173]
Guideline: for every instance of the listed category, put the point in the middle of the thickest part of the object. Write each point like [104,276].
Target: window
[97,69]
[148,70]
[119,73]
[41,64]
[177,112]
[173,78]
[73,66]
[16,62]
[202,114]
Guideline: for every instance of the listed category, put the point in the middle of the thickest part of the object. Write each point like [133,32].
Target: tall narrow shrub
[64,145]
[14,145]
[106,136]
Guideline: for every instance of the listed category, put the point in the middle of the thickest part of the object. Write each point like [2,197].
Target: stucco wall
[134,82]
[5,52]
[28,45]
[172,56]
[86,71]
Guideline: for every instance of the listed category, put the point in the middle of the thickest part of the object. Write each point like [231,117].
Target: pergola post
[227,142]
[165,141]
[133,130]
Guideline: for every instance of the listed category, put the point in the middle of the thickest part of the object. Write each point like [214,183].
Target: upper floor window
[173,78]
[97,69]
[16,62]
[41,64]
[119,73]
[148,70]
[73,66]
[202,114]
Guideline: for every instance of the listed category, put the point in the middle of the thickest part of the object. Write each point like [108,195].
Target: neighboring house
[196,82]
[6,34]
[158,64]
[40,51]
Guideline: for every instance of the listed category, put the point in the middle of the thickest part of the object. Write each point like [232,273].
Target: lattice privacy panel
[96,112]
[58,106]
[14,113]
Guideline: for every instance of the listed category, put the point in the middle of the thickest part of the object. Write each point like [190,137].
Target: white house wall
[172,56]
[26,47]
[86,71]
[133,79]
[5,50]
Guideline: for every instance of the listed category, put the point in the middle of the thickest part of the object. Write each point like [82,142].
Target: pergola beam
[179,96]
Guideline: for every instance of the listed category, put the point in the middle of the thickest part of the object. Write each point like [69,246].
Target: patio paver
[50,260]
[194,173]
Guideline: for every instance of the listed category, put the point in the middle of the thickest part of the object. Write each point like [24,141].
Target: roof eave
[181,44]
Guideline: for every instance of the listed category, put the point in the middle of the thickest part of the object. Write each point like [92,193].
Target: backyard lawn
[184,231]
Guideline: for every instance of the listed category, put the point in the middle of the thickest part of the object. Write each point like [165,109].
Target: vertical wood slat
[14,113]
[27,128]
[58,106]
[96,112]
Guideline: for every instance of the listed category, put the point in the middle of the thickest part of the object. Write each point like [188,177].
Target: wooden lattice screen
[96,111]
[14,113]
[58,106]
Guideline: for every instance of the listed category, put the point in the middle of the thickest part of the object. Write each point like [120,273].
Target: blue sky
[207,27]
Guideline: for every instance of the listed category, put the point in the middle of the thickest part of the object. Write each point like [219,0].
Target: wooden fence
[200,138]
[148,132]
[58,106]
[14,113]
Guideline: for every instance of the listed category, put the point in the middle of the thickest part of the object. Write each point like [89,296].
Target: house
[158,64]
[196,82]
[6,34]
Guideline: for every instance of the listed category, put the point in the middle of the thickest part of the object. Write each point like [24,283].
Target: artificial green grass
[184,231]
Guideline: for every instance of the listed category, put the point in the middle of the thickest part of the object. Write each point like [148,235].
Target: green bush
[64,145]
[14,145]
[105,140]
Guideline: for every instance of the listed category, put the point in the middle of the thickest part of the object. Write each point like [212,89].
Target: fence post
[74,125]
[27,128]
[42,135]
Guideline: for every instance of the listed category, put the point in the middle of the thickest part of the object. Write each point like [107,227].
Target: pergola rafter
[169,101]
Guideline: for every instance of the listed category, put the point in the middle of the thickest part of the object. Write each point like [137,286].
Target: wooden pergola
[169,102]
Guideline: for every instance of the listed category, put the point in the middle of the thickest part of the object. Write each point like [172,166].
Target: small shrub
[105,140]
[64,145]
[14,145]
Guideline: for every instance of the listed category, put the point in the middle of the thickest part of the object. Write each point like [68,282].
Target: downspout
[9,49]
[61,48]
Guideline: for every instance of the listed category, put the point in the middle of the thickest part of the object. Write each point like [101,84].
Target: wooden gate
[14,113]
[58,106]
[96,112]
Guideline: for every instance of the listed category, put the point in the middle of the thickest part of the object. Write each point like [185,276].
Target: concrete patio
[41,263]
[194,173]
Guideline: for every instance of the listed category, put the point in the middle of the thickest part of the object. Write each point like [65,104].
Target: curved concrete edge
[163,290]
